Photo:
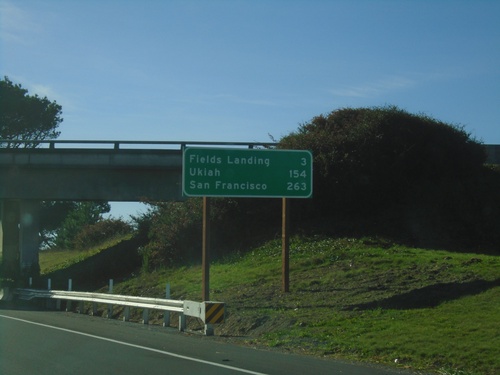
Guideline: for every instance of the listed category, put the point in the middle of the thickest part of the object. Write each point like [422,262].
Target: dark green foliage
[386,171]
[173,230]
[26,117]
[239,224]
[365,157]
[99,232]
[85,213]
[52,215]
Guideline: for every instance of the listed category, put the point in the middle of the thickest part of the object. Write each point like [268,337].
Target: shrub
[365,157]
[174,229]
[99,232]
[82,215]
[174,232]
[386,171]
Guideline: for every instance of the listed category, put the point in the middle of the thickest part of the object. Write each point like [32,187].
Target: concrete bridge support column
[29,242]
[9,238]
[19,238]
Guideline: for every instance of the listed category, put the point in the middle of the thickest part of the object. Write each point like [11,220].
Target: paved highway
[52,343]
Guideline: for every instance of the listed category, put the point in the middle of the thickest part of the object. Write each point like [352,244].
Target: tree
[52,216]
[367,157]
[173,231]
[26,117]
[385,171]
[84,214]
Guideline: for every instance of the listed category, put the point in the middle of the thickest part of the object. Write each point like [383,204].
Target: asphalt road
[53,342]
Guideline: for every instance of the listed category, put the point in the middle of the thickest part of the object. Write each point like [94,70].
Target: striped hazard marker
[214,312]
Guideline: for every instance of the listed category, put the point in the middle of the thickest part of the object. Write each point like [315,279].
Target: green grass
[365,299]
[53,260]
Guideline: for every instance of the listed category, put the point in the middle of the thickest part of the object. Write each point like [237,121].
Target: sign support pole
[229,172]
[285,245]
[206,250]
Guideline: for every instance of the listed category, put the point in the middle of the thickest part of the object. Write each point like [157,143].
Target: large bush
[365,157]
[95,234]
[173,230]
[386,170]
[82,215]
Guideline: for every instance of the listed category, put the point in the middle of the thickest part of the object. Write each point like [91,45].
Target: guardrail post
[110,307]
[166,314]
[145,316]
[50,305]
[70,286]
[182,322]
[209,329]
[126,314]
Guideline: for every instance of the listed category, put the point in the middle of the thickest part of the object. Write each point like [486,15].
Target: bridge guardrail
[116,144]
[209,312]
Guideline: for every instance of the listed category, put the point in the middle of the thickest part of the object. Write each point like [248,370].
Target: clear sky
[231,70]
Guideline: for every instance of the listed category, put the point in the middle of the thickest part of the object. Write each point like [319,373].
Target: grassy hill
[358,299]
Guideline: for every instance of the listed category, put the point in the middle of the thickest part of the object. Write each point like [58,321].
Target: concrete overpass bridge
[118,171]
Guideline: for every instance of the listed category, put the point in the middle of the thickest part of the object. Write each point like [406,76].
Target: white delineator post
[110,307]
[166,316]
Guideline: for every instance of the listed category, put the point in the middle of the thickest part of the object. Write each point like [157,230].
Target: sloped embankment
[112,263]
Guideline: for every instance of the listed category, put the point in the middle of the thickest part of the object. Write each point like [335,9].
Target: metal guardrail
[492,150]
[14,143]
[140,302]
[201,310]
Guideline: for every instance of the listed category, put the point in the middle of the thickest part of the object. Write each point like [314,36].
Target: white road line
[137,346]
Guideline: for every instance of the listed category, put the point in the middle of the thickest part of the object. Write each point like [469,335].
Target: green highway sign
[231,172]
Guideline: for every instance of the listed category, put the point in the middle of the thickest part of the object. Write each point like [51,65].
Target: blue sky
[240,70]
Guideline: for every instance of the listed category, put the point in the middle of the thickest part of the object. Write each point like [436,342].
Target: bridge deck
[90,174]
[58,172]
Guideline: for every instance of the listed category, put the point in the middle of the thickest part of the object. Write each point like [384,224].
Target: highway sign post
[250,173]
